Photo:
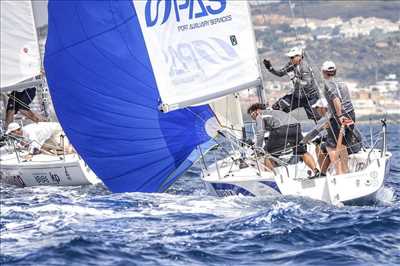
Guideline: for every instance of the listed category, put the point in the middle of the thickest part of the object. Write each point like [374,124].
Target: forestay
[20,58]
[199,50]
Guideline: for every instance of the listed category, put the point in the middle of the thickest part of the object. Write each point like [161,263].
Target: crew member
[46,137]
[305,92]
[285,132]
[342,111]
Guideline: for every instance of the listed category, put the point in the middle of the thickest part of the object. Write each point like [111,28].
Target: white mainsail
[229,114]
[20,58]
[199,50]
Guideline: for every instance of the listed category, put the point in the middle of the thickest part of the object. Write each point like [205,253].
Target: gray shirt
[269,120]
[303,81]
[337,89]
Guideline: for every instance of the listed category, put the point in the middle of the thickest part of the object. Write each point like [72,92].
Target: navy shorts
[334,129]
[283,138]
[292,101]
[20,100]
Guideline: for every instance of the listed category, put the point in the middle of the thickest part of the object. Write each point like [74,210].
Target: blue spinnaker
[106,98]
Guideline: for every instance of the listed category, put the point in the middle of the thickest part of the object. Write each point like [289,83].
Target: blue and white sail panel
[105,94]
[199,49]
[20,58]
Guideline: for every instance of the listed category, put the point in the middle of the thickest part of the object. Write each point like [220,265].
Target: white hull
[46,170]
[363,181]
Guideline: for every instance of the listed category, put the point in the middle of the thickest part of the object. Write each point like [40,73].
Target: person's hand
[345,121]
[276,106]
[267,64]
[260,152]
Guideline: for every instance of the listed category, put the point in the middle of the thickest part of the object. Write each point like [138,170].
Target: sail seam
[89,38]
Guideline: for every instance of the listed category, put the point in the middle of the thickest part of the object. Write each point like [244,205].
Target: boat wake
[386,196]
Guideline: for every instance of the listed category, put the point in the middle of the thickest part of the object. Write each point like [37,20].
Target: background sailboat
[20,56]
[21,67]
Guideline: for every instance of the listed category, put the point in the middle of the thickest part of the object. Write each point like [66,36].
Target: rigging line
[27,94]
[13,97]
[226,109]
[256,149]
[291,7]
[201,118]
[291,109]
[232,129]
[306,54]
[297,128]
[309,104]
[277,152]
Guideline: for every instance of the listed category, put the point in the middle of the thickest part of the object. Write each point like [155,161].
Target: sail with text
[110,65]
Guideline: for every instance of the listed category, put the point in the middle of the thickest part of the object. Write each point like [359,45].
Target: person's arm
[281,72]
[48,152]
[260,132]
[338,106]
[333,95]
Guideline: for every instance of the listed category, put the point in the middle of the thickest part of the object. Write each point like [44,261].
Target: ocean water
[90,226]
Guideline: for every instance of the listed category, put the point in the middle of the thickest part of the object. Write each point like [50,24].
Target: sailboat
[366,175]
[21,69]
[138,88]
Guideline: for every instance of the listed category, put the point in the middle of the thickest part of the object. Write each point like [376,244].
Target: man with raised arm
[305,92]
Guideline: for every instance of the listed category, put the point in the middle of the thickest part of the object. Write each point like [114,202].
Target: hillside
[364,58]
[322,9]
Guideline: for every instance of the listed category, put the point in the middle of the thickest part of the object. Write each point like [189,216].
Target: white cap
[328,66]
[320,103]
[295,51]
[12,127]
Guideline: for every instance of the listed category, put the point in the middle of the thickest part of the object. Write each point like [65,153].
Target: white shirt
[38,133]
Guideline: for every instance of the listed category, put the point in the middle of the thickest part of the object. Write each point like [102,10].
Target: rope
[11,96]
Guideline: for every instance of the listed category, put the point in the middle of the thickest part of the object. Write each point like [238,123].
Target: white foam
[385,195]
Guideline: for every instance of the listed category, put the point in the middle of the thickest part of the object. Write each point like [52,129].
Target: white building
[363,26]
[388,86]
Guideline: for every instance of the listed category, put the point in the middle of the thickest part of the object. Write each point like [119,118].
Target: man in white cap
[321,107]
[342,112]
[285,132]
[305,92]
[40,137]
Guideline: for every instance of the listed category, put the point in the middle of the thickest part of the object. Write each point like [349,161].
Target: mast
[44,96]
[260,88]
